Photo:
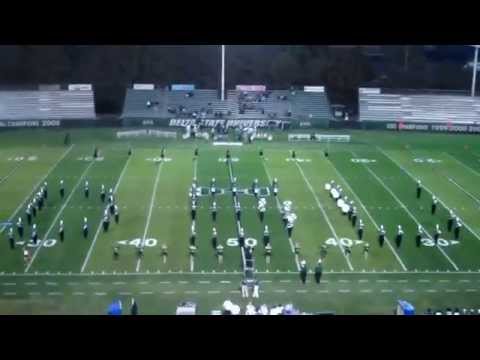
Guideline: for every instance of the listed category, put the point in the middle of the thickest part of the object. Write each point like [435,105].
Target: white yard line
[54,222]
[464,190]
[192,263]
[462,164]
[292,247]
[426,188]
[15,168]
[37,185]
[370,217]
[89,253]
[409,213]
[195,168]
[239,225]
[332,229]
[149,217]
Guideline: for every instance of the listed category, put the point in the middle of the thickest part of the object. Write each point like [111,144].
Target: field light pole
[474,77]
[223,74]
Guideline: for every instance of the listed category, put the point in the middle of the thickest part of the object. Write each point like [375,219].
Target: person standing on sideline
[303,271]
[134,308]
[318,271]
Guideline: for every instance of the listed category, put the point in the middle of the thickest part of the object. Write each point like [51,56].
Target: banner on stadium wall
[251,88]
[319,89]
[227,123]
[425,127]
[184,87]
[143,86]
[29,123]
[82,87]
[369,91]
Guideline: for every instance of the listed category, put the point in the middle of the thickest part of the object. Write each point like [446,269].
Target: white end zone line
[463,190]
[37,250]
[87,257]
[149,217]
[409,213]
[332,229]
[297,262]
[37,185]
[426,188]
[369,216]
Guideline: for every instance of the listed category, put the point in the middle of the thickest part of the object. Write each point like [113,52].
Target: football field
[377,170]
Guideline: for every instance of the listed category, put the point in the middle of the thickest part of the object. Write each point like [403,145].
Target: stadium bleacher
[238,105]
[44,105]
[382,105]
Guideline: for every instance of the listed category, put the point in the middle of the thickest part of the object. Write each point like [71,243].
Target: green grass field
[378,170]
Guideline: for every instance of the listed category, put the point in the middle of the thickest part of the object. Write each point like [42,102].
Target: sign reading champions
[30,123]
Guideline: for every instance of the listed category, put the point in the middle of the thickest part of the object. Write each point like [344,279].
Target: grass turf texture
[154,207]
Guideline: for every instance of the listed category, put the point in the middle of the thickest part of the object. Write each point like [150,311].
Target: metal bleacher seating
[279,104]
[237,105]
[418,107]
[44,105]
[167,103]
